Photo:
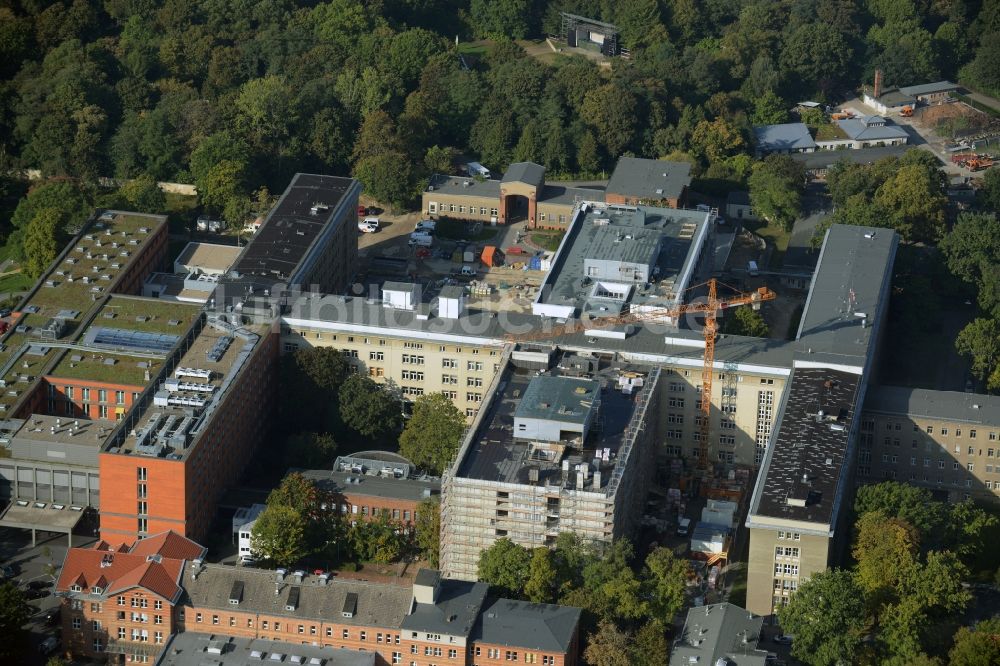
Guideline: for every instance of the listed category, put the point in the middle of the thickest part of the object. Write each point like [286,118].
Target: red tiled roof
[154,564]
[157,577]
[169,544]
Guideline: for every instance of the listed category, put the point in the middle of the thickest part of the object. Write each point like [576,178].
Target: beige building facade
[945,441]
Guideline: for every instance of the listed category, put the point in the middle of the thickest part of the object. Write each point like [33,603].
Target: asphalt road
[35,564]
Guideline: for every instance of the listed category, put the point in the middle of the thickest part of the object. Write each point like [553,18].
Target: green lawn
[461,230]
[775,235]
[159,312]
[15,282]
[548,240]
[179,203]
[92,367]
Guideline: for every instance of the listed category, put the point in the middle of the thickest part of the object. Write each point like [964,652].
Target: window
[121,633]
[364,635]
[143,525]
[197,618]
[215,619]
[376,356]
[157,604]
[98,645]
[345,634]
[141,473]
[397,657]
[76,623]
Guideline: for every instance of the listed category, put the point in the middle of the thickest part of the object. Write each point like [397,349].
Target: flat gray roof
[542,627]
[928,88]
[639,178]
[787,136]
[374,486]
[189,648]
[824,159]
[719,632]
[630,234]
[494,454]
[894,98]
[852,275]
[568,399]
[465,186]
[805,460]
[971,408]
[652,340]
[290,229]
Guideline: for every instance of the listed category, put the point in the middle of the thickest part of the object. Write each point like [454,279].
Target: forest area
[236,95]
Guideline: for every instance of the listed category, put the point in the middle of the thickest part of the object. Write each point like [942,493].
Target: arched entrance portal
[517,208]
[519,192]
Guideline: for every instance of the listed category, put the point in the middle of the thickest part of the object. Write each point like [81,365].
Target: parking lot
[35,569]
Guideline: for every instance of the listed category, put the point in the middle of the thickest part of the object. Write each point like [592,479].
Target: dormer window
[75,588]
[97,590]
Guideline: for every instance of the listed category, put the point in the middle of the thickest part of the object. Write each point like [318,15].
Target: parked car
[422,239]
[683,526]
[5,312]
[39,584]
[49,645]
[52,616]
[7,571]
[468,271]
[425,225]
[369,225]
[35,593]
[783,639]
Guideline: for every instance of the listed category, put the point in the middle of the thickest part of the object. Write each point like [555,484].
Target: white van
[369,225]
[423,240]
[426,225]
[477,169]
[683,526]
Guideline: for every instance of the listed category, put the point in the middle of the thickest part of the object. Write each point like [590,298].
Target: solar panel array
[137,340]
[216,353]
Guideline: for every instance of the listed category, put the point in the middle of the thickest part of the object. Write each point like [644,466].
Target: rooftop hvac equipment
[193,372]
[174,385]
[216,353]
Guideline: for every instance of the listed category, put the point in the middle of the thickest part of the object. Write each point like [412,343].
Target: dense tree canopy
[431,436]
[111,88]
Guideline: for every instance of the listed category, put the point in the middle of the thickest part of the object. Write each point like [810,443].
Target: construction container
[469,256]
[492,256]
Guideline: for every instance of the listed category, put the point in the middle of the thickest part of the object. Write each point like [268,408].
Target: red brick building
[129,600]
[123,600]
[367,495]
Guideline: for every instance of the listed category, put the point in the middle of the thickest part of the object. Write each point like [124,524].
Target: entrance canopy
[45,516]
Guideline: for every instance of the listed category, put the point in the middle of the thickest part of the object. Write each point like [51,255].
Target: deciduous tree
[43,239]
[505,567]
[665,580]
[367,407]
[427,530]
[279,535]
[980,342]
[538,588]
[13,617]
[608,646]
[776,186]
[143,195]
[976,646]
[432,435]
[827,617]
